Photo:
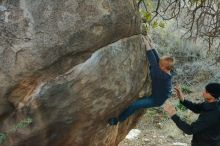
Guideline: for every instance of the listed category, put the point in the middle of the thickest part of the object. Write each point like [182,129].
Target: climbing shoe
[113,121]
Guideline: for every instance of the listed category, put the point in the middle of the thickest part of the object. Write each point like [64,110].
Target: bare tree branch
[200,18]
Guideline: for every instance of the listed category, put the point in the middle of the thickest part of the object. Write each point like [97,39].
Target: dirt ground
[156,129]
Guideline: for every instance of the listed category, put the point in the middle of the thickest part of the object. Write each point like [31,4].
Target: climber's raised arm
[150,53]
[152,46]
[151,58]
[156,55]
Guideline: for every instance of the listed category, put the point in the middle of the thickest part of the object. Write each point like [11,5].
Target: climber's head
[167,63]
[211,92]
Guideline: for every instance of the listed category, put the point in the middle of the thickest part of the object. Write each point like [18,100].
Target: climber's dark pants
[144,102]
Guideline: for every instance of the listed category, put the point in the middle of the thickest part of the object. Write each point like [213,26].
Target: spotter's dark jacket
[206,129]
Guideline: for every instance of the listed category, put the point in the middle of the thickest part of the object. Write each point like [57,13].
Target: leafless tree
[200,18]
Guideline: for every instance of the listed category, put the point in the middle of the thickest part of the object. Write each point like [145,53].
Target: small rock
[2,8]
[160,141]
[179,144]
[133,134]
[159,125]
[170,136]
[162,137]
[146,140]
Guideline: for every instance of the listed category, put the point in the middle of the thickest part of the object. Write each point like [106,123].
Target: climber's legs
[145,102]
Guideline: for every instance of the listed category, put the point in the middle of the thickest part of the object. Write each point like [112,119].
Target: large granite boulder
[67,66]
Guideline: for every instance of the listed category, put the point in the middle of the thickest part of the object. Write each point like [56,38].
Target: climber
[161,75]
[206,129]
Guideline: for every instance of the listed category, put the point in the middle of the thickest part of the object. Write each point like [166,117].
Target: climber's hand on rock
[151,42]
[179,93]
[146,43]
[169,108]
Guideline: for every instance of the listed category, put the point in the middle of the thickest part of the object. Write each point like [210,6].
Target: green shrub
[181,107]
[186,89]
[2,138]
[22,124]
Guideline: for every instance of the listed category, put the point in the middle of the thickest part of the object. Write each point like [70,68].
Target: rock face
[69,65]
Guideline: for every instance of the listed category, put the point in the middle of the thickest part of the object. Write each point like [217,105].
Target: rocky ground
[156,129]
[152,132]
